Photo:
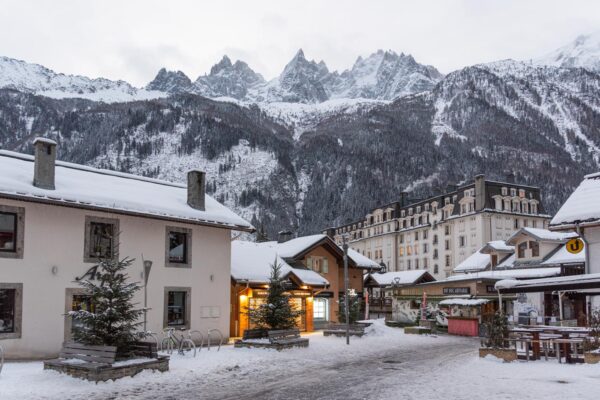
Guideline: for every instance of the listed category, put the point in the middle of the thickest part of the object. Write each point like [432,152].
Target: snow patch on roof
[362,261]
[475,262]
[252,262]
[562,256]
[583,205]
[543,234]
[114,191]
[397,277]
[463,302]
[525,273]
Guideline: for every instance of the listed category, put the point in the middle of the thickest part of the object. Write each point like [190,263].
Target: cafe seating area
[565,344]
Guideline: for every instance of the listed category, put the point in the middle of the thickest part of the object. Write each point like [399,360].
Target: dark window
[178,247]
[7,310]
[101,240]
[8,232]
[522,248]
[435,269]
[462,241]
[176,309]
[535,249]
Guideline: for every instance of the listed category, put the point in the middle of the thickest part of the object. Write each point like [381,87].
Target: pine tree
[276,312]
[497,331]
[113,320]
[353,307]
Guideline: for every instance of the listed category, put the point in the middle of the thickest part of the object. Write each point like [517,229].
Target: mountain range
[313,147]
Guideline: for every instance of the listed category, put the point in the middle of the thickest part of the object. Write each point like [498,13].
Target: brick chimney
[196,189]
[45,160]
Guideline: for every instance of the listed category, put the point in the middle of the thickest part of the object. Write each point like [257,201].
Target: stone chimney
[510,177]
[284,236]
[45,160]
[479,192]
[196,189]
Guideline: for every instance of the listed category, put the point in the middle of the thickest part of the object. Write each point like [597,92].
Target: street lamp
[346,311]
[147,268]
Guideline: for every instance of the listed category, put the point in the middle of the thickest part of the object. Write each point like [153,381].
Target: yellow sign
[574,246]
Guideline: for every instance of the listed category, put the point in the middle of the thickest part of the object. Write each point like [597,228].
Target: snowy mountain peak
[224,64]
[583,52]
[170,82]
[34,78]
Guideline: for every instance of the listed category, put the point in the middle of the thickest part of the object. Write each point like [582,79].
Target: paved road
[356,378]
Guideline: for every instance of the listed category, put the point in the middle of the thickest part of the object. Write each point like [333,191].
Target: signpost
[346,305]
[147,267]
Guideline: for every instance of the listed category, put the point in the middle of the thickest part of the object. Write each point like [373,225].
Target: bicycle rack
[1,358]
[181,341]
[221,337]
[190,333]
[155,337]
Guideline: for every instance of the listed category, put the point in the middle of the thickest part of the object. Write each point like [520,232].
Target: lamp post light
[346,305]
[147,268]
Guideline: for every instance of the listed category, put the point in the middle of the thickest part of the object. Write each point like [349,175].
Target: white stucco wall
[54,236]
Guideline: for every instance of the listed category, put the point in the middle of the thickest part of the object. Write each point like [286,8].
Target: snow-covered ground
[385,364]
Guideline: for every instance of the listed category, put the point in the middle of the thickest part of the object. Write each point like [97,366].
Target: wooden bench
[340,330]
[287,338]
[91,357]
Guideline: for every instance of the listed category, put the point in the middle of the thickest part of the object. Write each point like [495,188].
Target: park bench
[287,338]
[340,330]
[83,356]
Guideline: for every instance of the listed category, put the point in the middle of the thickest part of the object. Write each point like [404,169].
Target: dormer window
[513,192]
[447,201]
[521,250]
[522,193]
[418,209]
[504,191]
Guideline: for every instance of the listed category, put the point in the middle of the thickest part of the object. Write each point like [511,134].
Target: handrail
[220,339]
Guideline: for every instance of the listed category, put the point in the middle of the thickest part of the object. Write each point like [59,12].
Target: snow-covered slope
[583,52]
[34,78]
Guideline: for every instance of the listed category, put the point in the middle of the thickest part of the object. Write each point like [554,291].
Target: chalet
[58,219]
[313,266]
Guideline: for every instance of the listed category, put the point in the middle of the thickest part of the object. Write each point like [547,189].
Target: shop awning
[560,283]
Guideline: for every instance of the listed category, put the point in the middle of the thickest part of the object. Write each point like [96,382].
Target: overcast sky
[132,39]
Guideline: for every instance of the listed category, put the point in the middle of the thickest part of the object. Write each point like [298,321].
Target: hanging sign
[574,246]
[92,272]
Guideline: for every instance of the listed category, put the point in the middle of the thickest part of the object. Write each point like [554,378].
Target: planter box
[507,355]
[591,358]
[107,372]
[417,330]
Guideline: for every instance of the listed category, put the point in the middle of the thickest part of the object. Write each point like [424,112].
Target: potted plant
[591,347]
[495,342]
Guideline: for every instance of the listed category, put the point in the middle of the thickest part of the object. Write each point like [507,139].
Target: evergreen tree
[276,312]
[497,331]
[113,319]
[353,307]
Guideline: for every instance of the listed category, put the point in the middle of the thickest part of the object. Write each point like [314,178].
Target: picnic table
[561,339]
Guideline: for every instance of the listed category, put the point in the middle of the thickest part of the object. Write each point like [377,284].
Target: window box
[12,231]
[178,247]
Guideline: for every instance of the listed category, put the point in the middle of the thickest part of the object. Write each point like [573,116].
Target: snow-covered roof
[568,281]
[293,247]
[508,262]
[524,273]
[362,261]
[562,256]
[463,302]
[397,277]
[252,262]
[499,246]
[542,235]
[86,187]
[583,205]
[475,262]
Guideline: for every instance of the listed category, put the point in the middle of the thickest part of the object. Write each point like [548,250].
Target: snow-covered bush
[497,332]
